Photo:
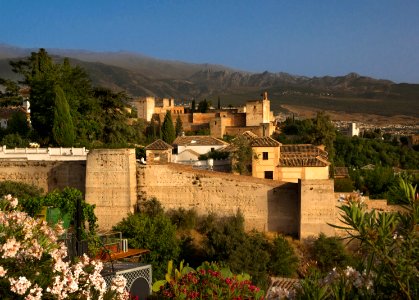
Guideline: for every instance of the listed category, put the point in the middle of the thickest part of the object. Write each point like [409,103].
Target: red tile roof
[264,142]
[159,145]
[302,155]
[198,140]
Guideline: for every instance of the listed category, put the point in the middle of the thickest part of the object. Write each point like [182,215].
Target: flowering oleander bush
[208,281]
[388,261]
[33,266]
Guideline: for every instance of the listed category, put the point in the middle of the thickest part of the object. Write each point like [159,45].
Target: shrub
[330,253]
[344,185]
[182,218]
[32,262]
[283,261]
[208,281]
[157,234]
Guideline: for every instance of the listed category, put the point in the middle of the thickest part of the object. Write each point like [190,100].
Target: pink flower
[19,286]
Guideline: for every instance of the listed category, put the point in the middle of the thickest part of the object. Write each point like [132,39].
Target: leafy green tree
[14,140]
[18,124]
[63,129]
[204,106]
[329,252]
[283,261]
[167,129]
[241,156]
[157,234]
[179,126]
[19,190]
[193,105]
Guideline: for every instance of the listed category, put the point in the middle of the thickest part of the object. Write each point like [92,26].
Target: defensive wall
[113,181]
[266,205]
[48,175]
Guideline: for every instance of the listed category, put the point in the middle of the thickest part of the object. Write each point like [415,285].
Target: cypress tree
[63,129]
[179,126]
[168,130]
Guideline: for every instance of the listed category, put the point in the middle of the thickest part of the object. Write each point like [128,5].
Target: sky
[377,38]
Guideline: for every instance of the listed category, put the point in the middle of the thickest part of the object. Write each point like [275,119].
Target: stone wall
[111,184]
[266,205]
[317,207]
[48,175]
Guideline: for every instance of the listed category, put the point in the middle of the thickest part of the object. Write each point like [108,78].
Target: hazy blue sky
[315,37]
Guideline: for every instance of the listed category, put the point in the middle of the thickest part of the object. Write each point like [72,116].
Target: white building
[187,149]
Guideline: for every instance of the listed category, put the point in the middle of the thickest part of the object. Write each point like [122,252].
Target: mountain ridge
[140,75]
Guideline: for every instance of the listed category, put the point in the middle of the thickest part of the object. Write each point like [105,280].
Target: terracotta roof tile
[159,145]
[198,140]
[264,142]
[302,155]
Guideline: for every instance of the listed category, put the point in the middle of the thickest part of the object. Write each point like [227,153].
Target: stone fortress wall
[113,181]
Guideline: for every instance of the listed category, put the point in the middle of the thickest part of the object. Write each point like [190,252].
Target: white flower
[20,285]
[10,248]
[3,271]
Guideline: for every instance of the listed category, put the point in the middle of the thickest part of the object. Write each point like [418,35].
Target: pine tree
[63,129]
[179,126]
[168,130]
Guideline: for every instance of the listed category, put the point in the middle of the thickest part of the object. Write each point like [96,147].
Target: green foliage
[217,155]
[155,233]
[151,208]
[97,115]
[208,281]
[19,190]
[182,218]
[179,126]
[167,129]
[63,129]
[329,253]
[204,106]
[242,156]
[344,185]
[14,140]
[227,242]
[389,245]
[18,124]
[66,201]
[357,152]
[283,261]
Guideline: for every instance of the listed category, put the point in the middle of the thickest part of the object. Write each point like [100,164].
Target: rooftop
[198,140]
[159,145]
[264,142]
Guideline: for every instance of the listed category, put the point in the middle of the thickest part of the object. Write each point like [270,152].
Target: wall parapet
[55,154]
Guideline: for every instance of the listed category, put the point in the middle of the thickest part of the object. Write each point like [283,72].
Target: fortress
[113,181]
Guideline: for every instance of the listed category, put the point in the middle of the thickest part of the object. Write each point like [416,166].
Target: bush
[344,185]
[155,233]
[329,253]
[208,281]
[283,261]
[32,262]
[182,218]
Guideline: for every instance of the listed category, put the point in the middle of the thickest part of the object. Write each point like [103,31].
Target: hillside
[140,76]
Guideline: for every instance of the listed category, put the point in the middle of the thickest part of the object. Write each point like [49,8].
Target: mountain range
[140,75]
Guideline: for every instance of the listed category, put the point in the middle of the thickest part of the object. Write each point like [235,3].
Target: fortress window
[265,155]
[269,175]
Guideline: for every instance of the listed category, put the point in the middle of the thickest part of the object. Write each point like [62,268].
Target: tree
[179,126]
[203,106]
[193,105]
[168,130]
[219,103]
[241,156]
[63,129]
[157,234]
[18,124]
